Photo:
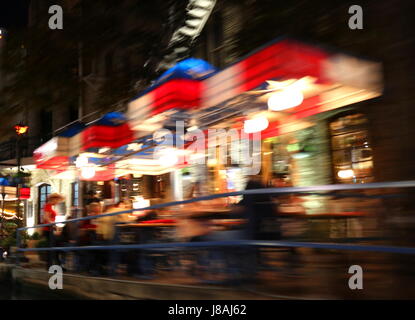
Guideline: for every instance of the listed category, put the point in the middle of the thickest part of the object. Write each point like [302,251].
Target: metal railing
[324,190]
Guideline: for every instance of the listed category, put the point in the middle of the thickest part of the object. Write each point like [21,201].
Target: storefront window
[75,194]
[280,158]
[44,191]
[352,153]
[124,188]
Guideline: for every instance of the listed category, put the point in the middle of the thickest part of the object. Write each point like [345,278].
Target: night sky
[13,13]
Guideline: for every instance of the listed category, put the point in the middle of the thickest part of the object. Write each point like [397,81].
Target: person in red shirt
[49,216]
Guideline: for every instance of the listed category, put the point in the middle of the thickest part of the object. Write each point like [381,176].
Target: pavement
[305,274]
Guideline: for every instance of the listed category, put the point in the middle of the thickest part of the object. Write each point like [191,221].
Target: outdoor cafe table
[142,233]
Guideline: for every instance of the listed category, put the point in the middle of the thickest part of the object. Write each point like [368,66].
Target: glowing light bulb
[88,172]
[81,161]
[255,124]
[168,157]
[212,162]
[285,99]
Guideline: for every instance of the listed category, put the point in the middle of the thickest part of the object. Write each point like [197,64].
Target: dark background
[13,13]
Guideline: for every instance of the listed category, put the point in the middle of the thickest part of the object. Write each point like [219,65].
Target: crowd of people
[85,232]
[258,211]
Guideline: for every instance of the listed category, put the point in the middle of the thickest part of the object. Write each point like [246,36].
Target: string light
[9,215]
[285,99]
[255,125]
[88,172]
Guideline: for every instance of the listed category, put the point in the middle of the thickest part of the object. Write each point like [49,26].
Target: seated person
[191,225]
[87,227]
[93,209]
[105,225]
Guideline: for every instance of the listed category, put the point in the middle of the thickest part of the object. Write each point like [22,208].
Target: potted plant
[21,177]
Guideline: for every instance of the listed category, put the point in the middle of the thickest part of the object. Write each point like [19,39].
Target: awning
[9,192]
[110,131]
[53,154]
[178,89]
[329,80]
[139,157]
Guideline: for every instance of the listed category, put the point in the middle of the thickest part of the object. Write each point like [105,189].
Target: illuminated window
[352,152]
[75,194]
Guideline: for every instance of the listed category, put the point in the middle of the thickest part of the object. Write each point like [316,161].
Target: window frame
[75,185]
[41,202]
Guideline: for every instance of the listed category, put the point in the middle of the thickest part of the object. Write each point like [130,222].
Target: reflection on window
[352,153]
[75,194]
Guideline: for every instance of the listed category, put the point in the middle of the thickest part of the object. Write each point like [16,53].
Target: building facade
[371,138]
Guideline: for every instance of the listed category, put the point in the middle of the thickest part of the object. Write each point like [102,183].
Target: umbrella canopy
[176,91]
[110,131]
[112,119]
[4,182]
[190,68]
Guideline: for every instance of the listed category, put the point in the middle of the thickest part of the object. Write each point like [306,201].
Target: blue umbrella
[190,68]
[4,182]
[112,119]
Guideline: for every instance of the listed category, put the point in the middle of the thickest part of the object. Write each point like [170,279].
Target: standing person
[260,214]
[107,234]
[49,216]
[94,260]
[66,237]
[193,226]
[88,227]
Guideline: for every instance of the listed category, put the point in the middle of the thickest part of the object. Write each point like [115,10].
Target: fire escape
[197,14]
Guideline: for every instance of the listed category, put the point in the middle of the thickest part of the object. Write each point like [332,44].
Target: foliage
[43,243]
[9,241]
[22,174]
[35,236]
[8,232]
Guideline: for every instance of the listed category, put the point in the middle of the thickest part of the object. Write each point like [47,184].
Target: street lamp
[20,130]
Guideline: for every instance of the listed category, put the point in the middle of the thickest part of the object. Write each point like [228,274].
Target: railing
[171,247]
